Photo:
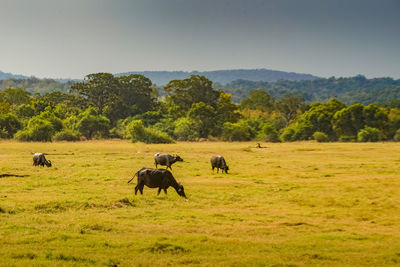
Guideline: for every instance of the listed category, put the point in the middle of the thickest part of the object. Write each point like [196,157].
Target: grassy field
[290,204]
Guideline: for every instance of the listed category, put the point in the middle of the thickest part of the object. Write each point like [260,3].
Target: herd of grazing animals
[153,178]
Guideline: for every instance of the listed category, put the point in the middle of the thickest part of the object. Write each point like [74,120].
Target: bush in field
[9,125]
[288,134]
[369,134]
[67,135]
[149,118]
[397,136]
[49,115]
[320,137]
[165,125]
[138,133]
[37,130]
[269,133]
[297,131]
[156,137]
[93,125]
[239,131]
[185,129]
[135,131]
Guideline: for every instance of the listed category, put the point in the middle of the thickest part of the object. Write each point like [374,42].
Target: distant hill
[350,90]
[35,85]
[223,76]
[4,76]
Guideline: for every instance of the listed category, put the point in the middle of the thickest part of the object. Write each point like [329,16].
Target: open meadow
[288,204]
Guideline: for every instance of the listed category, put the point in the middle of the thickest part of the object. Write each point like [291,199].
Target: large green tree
[258,99]
[192,90]
[290,107]
[204,117]
[99,90]
[319,117]
[348,121]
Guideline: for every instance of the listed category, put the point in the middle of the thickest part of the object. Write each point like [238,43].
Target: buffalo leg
[165,190]
[141,189]
[159,190]
[136,189]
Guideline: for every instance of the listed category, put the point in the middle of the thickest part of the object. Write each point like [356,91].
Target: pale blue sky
[72,38]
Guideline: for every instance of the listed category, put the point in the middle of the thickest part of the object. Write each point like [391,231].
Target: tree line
[130,107]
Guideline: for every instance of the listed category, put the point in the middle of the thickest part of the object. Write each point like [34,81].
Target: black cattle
[40,159]
[219,163]
[166,160]
[154,178]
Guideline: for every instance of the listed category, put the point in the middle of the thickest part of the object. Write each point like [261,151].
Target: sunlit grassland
[289,204]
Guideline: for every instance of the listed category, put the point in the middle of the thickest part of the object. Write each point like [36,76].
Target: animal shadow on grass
[11,175]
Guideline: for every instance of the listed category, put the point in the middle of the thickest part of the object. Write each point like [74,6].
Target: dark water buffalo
[219,163]
[166,160]
[40,159]
[154,178]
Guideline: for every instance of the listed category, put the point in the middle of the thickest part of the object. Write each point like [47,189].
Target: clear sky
[72,38]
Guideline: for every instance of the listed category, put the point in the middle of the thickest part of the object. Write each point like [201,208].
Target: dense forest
[192,109]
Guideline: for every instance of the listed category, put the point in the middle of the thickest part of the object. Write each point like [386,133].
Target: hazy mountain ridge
[223,76]
[35,85]
[5,75]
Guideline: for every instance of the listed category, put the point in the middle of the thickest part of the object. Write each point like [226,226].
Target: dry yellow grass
[287,204]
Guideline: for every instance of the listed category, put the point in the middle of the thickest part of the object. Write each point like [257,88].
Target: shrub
[138,133]
[369,134]
[397,136]
[93,125]
[239,131]
[154,136]
[303,131]
[185,129]
[37,130]
[49,115]
[166,125]
[66,135]
[9,125]
[269,133]
[288,134]
[297,131]
[320,137]
[135,131]
[3,133]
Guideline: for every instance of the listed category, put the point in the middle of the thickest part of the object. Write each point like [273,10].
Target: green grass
[290,204]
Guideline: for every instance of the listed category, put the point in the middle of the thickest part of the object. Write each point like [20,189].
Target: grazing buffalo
[40,159]
[166,160]
[156,178]
[219,163]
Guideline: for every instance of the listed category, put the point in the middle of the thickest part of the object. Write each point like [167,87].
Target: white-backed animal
[40,160]
[166,159]
[219,163]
